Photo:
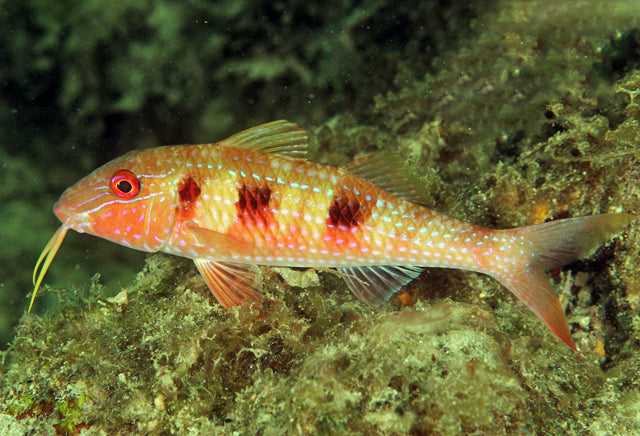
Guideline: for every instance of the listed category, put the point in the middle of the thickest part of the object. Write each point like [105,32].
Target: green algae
[531,114]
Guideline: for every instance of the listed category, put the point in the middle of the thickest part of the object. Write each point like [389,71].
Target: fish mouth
[77,221]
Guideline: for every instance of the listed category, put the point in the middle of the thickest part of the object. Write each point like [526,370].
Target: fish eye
[125,184]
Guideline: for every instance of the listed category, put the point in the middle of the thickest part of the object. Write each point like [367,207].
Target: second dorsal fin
[280,137]
[387,171]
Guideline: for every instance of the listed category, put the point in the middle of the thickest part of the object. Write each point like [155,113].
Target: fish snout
[77,221]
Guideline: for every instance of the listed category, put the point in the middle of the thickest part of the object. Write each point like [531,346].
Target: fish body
[253,200]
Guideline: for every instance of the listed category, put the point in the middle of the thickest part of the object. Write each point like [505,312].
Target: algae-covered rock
[440,369]
[163,357]
[509,113]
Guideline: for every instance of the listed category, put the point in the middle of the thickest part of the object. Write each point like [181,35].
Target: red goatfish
[253,200]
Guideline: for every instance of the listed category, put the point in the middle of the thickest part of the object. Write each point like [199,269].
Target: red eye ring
[125,184]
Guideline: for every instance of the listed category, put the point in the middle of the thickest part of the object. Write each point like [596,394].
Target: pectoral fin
[223,244]
[231,283]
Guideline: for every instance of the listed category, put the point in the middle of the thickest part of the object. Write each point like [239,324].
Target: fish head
[128,201]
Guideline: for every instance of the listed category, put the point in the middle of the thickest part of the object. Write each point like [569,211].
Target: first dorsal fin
[387,171]
[280,137]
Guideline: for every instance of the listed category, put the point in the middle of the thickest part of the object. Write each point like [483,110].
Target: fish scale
[295,232]
[253,200]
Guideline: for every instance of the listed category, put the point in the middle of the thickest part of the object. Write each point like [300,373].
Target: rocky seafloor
[509,114]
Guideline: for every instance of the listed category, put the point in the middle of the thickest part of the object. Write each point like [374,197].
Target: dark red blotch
[189,191]
[253,203]
[345,213]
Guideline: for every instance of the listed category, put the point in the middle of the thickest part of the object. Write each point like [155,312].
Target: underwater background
[509,112]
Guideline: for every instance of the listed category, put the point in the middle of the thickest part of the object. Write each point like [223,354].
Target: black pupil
[125,186]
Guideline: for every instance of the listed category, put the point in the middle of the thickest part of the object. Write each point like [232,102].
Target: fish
[253,199]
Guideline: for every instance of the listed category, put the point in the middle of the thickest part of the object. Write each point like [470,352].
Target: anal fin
[375,284]
[231,283]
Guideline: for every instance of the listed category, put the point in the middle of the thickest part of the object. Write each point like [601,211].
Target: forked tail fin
[549,245]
